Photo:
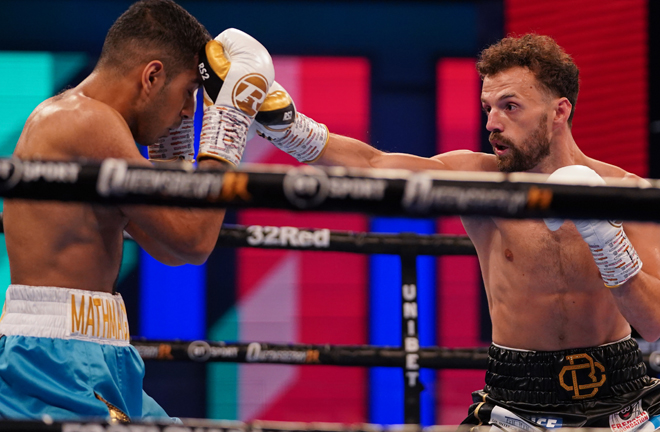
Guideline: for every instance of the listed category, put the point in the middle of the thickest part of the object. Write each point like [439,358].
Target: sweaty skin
[544,290]
[80,245]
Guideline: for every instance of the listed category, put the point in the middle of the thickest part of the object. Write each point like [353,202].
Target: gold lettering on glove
[249,93]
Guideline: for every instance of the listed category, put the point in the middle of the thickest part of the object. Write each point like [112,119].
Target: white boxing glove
[178,145]
[615,256]
[236,72]
[290,131]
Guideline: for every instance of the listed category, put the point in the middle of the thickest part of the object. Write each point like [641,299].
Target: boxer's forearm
[639,298]
[345,151]
[638,301]
[175,236]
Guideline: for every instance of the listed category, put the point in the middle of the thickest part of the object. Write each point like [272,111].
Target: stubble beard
[152,115]
[534,149]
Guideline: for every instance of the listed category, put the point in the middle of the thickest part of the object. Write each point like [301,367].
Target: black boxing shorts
[604,386]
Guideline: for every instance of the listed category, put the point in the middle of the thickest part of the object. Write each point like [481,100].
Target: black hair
[153,30]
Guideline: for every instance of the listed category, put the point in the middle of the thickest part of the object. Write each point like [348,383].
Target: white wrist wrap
[178,145]
[305,139]
[615,256]
[224,134]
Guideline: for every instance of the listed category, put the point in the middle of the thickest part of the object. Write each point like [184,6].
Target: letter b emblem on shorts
[570,381]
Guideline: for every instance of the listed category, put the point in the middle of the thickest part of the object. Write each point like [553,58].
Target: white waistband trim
[524,350]
[65,313]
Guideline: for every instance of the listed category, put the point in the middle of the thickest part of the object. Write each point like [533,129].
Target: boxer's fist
[236,72]
[575,175]
[613,253]
[290,131]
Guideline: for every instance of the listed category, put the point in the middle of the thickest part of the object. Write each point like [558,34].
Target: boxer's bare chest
[544,289]
[525,253]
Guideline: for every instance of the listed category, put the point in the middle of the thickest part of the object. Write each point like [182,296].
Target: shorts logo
[249,93]
[97,317]
[629,418]
[548,422]
[625,413]
[585,361]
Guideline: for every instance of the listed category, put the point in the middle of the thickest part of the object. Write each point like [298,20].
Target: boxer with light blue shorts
[65,352]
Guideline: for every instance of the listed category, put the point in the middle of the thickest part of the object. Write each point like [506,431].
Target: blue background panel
[386,384]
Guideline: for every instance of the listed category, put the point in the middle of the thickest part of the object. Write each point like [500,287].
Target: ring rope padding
[375,191]
[205,425]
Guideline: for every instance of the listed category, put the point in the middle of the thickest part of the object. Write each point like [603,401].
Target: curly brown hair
[552,67]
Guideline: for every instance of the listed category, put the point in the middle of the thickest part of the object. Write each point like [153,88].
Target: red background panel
[333,286]
[458,122]
[608,41]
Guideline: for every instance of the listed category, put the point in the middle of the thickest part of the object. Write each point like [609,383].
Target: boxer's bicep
[174,235]
[156,249]
[467,160]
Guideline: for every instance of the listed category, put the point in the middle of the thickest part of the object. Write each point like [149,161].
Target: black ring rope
[306,354]
[379,192]
[382,192]
[272,237]
[325,240]
[202,351]
[203,425]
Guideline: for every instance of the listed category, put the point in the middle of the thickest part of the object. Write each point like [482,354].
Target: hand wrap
[289,130]
[613,253]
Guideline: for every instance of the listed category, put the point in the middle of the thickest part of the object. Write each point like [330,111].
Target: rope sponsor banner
[203,425]
[333,355]
[379,192]
[304,354]
[272,237]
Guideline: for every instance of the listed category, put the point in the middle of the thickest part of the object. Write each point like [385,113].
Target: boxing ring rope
[376,192]
[292,238]
[201,425]
[306,354]
[382,192]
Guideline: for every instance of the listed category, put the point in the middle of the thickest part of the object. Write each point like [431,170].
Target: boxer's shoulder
[70,125]
[608,170]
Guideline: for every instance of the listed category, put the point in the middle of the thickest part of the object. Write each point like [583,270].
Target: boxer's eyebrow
[506,96]
[501,98]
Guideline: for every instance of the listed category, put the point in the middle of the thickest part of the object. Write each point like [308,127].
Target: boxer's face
[517,109]
[169,105]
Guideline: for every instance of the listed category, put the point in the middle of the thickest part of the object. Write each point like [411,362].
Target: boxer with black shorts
[562,295]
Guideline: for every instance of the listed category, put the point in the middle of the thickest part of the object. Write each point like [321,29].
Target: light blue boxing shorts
[65,353]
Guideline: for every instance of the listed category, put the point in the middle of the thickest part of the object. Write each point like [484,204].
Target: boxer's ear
[153,76]
[562,111]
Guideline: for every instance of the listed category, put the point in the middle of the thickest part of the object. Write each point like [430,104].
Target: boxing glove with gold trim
[236,72]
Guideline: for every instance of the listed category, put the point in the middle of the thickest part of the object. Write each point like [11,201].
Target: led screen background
[398,75]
